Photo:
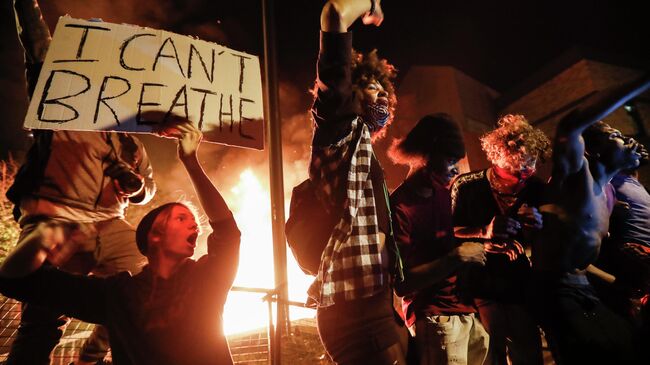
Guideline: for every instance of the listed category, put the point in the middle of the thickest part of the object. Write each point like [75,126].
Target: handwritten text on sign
[102,76]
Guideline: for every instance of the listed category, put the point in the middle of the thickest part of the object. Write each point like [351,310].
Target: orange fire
[250,202]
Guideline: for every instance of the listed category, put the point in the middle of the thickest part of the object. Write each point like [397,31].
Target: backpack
[309,227]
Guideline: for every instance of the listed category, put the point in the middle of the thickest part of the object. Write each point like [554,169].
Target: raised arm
[211,200]
[568,147]
[34,36]
[222,261]
[335,105]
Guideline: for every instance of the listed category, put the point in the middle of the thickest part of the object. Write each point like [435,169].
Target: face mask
[377,116]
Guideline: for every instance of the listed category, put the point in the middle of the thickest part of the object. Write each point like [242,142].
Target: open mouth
[192,239]
[634,150]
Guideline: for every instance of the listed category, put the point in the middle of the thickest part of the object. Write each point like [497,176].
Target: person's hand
[59,241]
[376,17]
[530,217]
[188,140]
[169,127]
[502,227]
[511,249]
[188,135]
[338,15]
[471,252]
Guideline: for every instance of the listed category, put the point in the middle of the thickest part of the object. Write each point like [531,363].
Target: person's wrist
[189,158]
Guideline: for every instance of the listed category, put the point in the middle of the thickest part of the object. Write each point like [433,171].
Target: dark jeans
[513,333]
[578,327]
[364,331]
[39,332]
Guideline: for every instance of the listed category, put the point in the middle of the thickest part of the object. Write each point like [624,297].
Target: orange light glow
[250,202]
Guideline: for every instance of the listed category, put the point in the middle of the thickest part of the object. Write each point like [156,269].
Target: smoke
[233,25]
[192,17]
[225,164]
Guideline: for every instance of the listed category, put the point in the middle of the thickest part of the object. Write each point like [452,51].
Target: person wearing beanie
[171,312]
[499,206]
[445,328]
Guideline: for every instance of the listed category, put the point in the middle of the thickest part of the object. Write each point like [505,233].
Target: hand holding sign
[188,135]
[102,76]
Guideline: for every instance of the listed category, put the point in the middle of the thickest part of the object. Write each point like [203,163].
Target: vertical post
[271,335]
[274,142]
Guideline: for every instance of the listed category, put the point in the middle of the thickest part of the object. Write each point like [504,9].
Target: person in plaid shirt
[354,101]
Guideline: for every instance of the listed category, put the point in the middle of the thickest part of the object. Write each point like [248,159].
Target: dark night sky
[499,43]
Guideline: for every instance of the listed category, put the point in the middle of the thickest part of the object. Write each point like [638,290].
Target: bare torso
[575,223]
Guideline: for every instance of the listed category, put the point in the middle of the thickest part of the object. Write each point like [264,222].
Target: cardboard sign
[102,76]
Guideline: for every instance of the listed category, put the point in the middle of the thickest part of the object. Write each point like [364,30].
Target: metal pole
[274,141]
[272,348]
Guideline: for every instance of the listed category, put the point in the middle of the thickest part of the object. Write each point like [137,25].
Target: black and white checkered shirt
[351,265]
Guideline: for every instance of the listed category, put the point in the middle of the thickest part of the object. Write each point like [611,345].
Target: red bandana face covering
[526,173]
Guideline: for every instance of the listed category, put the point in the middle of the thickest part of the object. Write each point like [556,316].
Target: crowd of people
[482,264]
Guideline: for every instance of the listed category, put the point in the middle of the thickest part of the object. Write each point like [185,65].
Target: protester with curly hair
[515,146]
[354,101]
[367,69]
[499,206]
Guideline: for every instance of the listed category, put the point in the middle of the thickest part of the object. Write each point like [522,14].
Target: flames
[242,176]
[250,201]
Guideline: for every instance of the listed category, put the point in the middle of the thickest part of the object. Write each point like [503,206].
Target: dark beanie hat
[435,134]
[144,227]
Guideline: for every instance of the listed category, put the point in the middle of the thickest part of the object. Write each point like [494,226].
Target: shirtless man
[587,154]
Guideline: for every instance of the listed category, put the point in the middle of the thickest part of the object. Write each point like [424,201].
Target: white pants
[457,339]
